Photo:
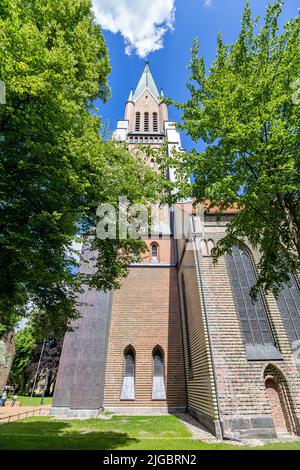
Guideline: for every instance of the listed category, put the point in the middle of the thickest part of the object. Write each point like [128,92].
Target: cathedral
[182,334]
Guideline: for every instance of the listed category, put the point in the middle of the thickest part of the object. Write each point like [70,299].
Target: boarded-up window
[128,387]
[253,317]
[289,305]
[158,387]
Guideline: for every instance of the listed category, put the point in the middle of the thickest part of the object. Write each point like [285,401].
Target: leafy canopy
[247,112]
[25,342]
[54,168]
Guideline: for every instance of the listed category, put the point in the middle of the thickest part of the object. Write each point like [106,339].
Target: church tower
[126,353]
[145,113]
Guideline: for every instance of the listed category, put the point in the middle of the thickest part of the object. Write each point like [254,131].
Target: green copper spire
[146,81]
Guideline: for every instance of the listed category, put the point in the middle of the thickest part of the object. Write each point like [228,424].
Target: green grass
[119,432]
[34,401]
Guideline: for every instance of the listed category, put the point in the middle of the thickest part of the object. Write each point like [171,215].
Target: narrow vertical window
[186,324]
[146,122]
[137,121]
[128,387]
[204,249]
[210,246]
[154,250]
[289,306]
[154,253]
[255,325]
[155,123]
[158,387]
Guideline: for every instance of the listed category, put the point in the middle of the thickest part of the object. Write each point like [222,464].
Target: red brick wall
[240,382]
[165,252]
[146,313]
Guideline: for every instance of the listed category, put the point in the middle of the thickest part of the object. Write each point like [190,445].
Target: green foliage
[54,167]
[24,344]
[245,110]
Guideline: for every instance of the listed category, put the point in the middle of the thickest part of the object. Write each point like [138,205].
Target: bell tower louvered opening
[146,121]
[155,122]
[137,121]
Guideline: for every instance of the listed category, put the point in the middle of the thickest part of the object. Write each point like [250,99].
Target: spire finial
[146,81]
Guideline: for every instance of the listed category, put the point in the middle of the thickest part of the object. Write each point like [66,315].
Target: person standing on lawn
[14,399]
[3,398]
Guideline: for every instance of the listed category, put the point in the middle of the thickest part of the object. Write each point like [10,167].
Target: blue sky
[192,18]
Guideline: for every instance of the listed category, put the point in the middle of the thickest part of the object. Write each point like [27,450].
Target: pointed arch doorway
[280,401]
[277,408]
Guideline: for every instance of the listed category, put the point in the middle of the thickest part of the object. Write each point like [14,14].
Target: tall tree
[54,167]
[29,351]
[49,363]
[24,344]
[246,110]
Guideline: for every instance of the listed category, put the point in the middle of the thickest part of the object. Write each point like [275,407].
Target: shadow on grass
[59,435]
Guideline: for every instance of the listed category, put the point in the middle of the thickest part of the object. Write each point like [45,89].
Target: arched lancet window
[255,325]
[152,163]
[137,121]
[146,122]
[158,387]
[154,253]
[155,122]
[289,306]
[204,249]
[186,324]
[128,387]
[210,246]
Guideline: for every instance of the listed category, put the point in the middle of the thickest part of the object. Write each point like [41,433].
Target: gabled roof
[146,81]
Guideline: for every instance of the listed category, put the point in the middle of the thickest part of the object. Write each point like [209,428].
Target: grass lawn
[119,432]
[34,401]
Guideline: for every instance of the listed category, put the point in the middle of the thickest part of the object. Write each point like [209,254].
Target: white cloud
[208,3]
[142,23]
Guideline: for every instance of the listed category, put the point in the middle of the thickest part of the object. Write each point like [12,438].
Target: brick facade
[182,303]
[243,402]
[145,314]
